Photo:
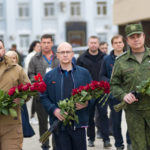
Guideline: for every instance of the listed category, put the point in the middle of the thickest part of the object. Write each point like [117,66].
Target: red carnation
[74,91]
[28,84]
[41,87]
[19,87]
[81,88]
[12,91]
[38,77]
[87,87]
[25,87]
[32,88]
[92,86]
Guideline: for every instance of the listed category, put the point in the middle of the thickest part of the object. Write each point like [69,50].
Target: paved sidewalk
[33,143]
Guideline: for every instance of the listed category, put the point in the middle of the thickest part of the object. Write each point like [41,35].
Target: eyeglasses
[65,52]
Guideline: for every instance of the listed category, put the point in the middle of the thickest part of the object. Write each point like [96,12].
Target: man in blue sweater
[60,82]
[105,74]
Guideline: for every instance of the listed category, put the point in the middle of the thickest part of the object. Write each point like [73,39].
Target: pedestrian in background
[42,62]
[105,75]
[103,46]
[20,56]
[129,71]
[91,60]
[11,74]
[60,82]
[33,49]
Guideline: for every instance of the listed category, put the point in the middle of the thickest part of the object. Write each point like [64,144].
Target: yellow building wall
[126,11]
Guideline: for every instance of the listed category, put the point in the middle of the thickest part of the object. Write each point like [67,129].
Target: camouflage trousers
[138,122]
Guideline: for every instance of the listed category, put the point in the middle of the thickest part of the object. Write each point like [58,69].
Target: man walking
[130,70]
[11,74]
[42,62]
[60,82]
[91,60]
[105,74]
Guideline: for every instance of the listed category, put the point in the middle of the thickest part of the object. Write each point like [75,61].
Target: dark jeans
[69,139]
[116,122]
[97,122]
[104,121]
[43,120]
[91,125]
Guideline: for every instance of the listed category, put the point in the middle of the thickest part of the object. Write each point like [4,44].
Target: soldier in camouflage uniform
[129,70]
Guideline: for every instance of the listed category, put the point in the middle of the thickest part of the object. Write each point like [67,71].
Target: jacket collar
[73,68]
[39,54]
[89,55]
[112,54]
[131,56]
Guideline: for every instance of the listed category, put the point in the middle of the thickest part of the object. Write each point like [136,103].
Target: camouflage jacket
[127,74]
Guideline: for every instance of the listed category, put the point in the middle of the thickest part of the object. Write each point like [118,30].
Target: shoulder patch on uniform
[121,55]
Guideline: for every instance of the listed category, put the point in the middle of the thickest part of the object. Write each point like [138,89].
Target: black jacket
[91,63]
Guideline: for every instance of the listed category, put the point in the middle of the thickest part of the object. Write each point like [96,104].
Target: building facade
[22,21]
[132,11]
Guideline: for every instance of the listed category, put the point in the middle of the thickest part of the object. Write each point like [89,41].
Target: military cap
[133,29]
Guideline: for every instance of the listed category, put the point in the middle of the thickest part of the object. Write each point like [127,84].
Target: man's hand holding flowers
[58,114]
[81,106]
[130,98]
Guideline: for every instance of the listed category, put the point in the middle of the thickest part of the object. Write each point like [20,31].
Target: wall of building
[125,11]
[23,21]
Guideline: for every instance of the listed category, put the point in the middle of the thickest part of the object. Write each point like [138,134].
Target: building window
[49,9]
[23,10]
[2,37]
[102,37]
[101,8]
[24,41]
[75,9]
[1,11]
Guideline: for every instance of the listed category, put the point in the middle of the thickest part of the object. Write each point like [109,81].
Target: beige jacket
[11,75]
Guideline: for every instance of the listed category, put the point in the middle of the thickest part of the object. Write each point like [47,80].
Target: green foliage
[144,87]
[7,104]
[68,106]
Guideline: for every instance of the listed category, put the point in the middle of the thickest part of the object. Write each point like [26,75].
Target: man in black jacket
[91,60]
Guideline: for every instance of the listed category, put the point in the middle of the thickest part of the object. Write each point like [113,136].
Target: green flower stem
[120,106]
[46,135]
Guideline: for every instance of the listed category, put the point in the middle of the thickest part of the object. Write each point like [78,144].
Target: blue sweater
[54,92]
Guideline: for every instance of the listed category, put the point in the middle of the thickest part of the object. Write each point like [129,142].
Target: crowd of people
[123,68]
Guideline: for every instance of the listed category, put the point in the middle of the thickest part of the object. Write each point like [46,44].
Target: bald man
[60,82]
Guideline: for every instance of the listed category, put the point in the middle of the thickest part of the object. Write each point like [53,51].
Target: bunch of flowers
[80,95]
[17,95]
[142,89]
[94,90]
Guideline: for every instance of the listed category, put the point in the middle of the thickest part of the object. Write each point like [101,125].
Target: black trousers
[43,120]
[33,107]
[69,139]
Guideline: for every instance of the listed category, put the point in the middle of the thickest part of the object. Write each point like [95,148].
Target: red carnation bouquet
[17,95]
[94,90]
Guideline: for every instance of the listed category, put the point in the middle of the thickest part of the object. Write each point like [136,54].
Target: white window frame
[2,37]
[101,8]
[23,11]
[49,9]
[102,36]
[24,40]
[75,9]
